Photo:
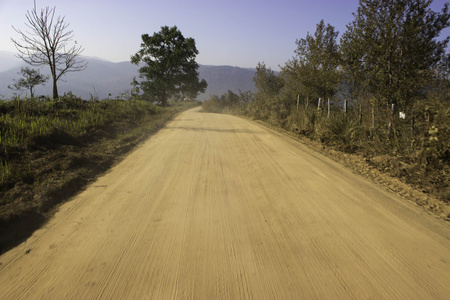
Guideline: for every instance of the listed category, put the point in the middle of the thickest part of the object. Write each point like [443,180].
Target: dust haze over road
[217,207]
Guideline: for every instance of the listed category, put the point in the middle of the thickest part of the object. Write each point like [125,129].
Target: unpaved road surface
[216,207]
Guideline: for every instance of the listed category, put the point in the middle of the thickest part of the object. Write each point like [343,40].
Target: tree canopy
[169,67]
[30,79]
[391,48]
[266,81]
[315,66]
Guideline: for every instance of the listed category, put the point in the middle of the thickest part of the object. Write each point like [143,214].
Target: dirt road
[216,207]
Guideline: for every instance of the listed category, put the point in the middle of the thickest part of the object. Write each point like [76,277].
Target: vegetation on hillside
[382,92]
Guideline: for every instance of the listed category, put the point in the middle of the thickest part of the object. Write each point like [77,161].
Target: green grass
[29,124]
[27,119]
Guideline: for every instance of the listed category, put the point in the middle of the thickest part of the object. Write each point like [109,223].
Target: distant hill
[223,78]
[102,78]
[8,61]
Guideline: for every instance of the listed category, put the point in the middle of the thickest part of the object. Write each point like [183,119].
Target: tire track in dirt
[217,207]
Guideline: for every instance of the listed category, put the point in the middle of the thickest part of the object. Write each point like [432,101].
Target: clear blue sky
[227,32]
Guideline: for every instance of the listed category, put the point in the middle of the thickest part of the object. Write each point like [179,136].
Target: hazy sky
[227,32]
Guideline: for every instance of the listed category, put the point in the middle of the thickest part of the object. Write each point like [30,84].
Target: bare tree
[47,44]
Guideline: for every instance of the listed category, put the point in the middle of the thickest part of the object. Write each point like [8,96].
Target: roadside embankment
[50,150]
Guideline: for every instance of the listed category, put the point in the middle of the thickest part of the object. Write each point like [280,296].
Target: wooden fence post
[329,108]
[360,114]
[373,115]
[391,118]
[412,131]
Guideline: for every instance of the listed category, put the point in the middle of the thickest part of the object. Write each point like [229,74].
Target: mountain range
[102,77]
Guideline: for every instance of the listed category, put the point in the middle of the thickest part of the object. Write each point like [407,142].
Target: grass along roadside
[367,168]
[50,150]
[421,176]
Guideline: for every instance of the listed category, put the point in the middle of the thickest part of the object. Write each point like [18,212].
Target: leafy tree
[169,66]
[298,79]
[444,68]
[391,48]
[31,78]
[266,81]
[47,44]
[316,63]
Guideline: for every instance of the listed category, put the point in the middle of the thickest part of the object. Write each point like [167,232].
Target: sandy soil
[217,207]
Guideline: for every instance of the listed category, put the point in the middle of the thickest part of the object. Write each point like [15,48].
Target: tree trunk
[55,90]
[360,115]
[164,100]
